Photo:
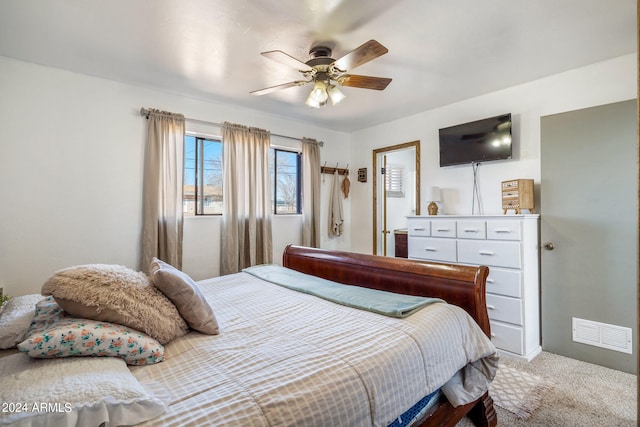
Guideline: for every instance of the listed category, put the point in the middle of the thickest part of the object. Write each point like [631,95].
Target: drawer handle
[431,249]
[502,230]
[487,253]
[419,229]
[491,281]
[491,307]
[493,335]
[471,230]
[442,230]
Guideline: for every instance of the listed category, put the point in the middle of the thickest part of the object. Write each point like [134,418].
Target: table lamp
[434,195]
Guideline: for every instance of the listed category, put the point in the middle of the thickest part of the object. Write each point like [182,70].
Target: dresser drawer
[419,227]
[507,337]
[491,253]
[443,228]
[432,249]
[471,229]
[505,282]
[504,230]
[504,308]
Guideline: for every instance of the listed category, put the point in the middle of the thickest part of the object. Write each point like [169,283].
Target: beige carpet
[576,394]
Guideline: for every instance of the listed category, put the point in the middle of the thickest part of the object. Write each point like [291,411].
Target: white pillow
[79,391]
[15,319]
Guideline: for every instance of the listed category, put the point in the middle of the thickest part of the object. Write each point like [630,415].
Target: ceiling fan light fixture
[318,96]
[335,94]
[313,103]
[326,73]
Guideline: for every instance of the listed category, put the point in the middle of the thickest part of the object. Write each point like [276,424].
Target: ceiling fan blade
[278,87]
[360,55]
[364,82]
[286,59]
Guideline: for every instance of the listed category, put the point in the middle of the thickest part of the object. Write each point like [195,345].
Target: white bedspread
[284,358]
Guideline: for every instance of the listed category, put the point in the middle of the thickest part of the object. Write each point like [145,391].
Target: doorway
[396,192]
[589,217]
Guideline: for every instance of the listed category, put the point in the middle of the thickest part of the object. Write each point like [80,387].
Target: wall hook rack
[331,171]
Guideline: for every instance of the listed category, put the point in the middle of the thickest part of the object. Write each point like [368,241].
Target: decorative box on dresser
[508,245]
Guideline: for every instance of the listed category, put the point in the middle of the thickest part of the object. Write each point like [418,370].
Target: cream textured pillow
[186,295]
[116,294]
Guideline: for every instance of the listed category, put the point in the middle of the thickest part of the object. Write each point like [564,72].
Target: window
[394,180]
[286,181]
[202,194]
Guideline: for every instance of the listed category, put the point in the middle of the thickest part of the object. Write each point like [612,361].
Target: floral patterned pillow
[53,333]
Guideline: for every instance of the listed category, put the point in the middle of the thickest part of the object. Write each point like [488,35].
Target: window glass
[286,181]
[202,193]
[211,194]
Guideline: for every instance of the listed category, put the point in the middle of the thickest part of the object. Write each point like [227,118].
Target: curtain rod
[145,112]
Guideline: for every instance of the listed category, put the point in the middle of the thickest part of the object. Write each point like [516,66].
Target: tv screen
[476,142]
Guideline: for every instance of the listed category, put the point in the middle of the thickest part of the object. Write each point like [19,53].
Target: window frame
[198,163]
[274,183]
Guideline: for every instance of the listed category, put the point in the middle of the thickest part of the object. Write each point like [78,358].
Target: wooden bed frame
[457,284]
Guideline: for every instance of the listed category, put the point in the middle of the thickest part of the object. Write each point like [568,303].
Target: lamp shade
[318,96]
[335,94]
[433,194]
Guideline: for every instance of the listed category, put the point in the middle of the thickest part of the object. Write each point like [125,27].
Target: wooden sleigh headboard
[460,285]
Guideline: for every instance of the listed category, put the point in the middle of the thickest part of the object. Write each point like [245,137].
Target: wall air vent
[612,337]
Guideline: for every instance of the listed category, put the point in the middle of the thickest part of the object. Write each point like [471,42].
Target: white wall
[601,83]
[202,234]
[71,156]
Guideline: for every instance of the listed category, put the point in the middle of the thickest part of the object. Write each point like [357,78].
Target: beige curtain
[310,193]
[162,189]
[246,212]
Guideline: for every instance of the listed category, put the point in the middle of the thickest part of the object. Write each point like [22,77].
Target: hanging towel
[335,207]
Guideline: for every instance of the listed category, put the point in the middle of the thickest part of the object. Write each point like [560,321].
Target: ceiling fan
[327,73]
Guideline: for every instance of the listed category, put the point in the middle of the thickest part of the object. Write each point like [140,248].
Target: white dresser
[508,245]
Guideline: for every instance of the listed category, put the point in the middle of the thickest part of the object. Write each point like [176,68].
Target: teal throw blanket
[381,302]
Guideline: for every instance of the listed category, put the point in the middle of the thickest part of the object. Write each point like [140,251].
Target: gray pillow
[186,296]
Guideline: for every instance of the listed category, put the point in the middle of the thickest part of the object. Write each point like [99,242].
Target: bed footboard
[460,285]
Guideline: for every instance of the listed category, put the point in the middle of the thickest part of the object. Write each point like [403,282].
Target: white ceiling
[440,51]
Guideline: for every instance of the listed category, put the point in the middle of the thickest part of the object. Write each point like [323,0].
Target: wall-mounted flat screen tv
[476,142]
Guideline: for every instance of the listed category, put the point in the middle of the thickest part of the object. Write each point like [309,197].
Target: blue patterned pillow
[53,333]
